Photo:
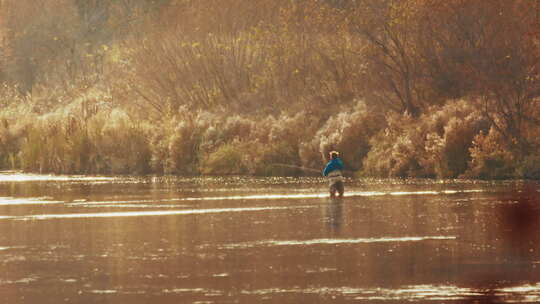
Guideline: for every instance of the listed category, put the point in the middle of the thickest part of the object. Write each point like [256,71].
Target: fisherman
[334,172]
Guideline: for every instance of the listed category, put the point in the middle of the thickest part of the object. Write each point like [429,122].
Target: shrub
[234,128]
[276,159]
[529,168]
[447,154]
[433,145]
[82,137]
[395,150]
[9,145]
[267,145]
[490,158]
[176,142]
[228,159]
[121,144]
[348,132]
[44,146]
[281,154]
[58,144]
[15,119]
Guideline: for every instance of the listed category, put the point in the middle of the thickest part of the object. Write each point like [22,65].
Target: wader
[335,179]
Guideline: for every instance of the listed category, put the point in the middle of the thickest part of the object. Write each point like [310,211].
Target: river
[84,239]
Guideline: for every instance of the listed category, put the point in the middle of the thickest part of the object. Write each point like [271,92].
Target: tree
[390,31]
[37,35]
[196,53]
[489,52]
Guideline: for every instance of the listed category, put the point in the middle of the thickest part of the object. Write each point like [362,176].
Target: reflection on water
[143,213]
[334,215]
[12,176]
[524,293]
[80,239]
[336,241]
[323,195]
[5,201]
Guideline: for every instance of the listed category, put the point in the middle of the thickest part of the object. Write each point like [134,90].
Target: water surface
[83,239]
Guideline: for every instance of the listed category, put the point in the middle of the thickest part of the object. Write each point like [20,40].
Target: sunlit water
[83,239]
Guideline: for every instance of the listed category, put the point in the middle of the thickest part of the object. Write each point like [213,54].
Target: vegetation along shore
[408,88]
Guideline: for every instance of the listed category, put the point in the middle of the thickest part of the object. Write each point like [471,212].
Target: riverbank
[449,142]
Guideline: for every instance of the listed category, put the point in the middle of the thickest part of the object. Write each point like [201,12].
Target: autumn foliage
[403,88]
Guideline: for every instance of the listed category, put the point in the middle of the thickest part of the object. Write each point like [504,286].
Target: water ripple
[11,201]
[325,195]
[516,294]
[13,176]
[335,241]
[146,213]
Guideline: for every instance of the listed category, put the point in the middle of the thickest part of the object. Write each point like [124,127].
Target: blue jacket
[334,164]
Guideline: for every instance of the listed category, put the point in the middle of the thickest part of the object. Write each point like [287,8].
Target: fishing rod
[307,169]
[296,167]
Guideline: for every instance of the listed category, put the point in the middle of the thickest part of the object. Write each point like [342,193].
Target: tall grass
[86,135]
[93,134]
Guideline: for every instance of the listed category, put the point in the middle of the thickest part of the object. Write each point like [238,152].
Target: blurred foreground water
[81,239]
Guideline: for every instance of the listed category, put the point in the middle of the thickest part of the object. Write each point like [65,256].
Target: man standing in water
[333,171]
